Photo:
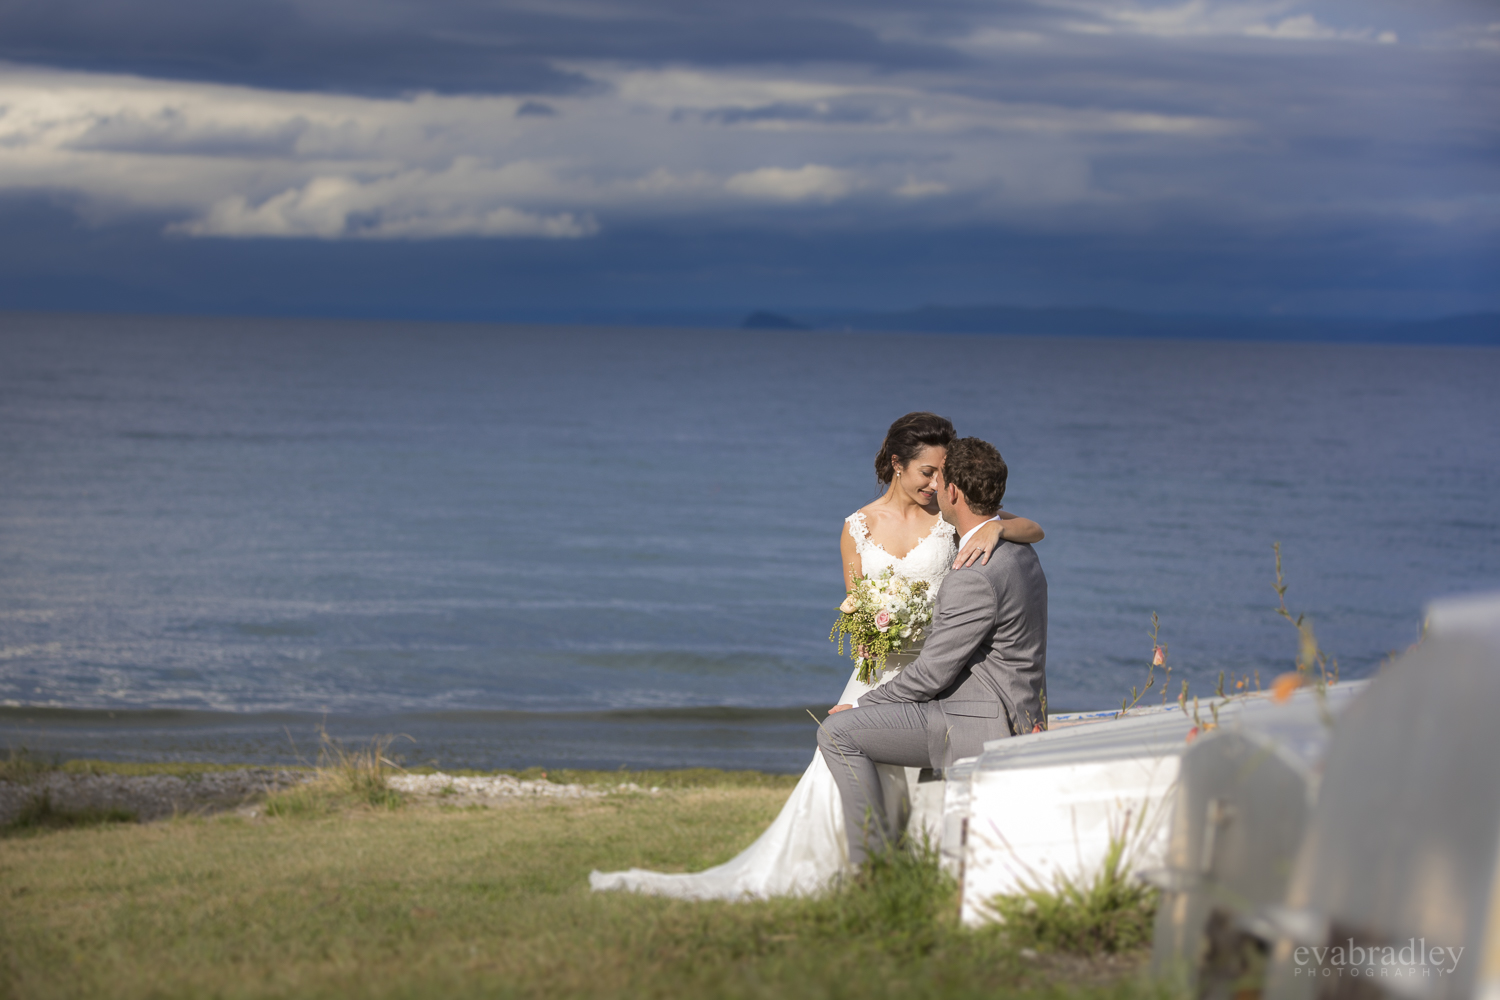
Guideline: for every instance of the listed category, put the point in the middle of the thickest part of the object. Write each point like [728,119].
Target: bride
[805,847]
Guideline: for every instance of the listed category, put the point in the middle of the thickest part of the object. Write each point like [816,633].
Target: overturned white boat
[1243,798]
[1396,888]
[1035,810]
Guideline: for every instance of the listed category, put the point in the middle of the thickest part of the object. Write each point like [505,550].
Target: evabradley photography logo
[1415,960]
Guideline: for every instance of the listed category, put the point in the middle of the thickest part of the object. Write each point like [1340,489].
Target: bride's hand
[981,545]
[1009,527]
[839,708]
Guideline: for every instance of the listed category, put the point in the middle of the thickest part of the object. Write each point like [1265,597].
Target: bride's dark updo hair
[910,435]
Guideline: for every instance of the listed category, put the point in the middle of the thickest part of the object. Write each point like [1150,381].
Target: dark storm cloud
[267,43]
[1313,155]
[452,46]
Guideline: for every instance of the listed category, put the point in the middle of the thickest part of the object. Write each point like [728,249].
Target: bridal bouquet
[883,614]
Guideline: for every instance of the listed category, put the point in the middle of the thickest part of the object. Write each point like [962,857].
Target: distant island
[1474,328]
[771,321]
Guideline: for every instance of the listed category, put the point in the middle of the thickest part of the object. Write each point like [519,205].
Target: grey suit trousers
[852,741]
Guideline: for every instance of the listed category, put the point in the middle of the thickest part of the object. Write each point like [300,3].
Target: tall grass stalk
[1310,654]
[1158,659]
[345,776]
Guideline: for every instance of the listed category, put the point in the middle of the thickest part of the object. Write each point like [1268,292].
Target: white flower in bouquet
[881,615]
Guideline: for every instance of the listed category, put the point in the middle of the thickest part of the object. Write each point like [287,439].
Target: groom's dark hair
[977,469]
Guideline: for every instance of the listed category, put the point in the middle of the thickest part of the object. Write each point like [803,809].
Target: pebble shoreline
[462,791]
[159,796]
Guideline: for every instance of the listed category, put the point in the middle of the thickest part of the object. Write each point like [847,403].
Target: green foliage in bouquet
[883,614]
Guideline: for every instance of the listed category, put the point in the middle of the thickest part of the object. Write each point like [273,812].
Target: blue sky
[516,160]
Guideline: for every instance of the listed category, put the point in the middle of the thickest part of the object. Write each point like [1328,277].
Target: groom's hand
[839,708]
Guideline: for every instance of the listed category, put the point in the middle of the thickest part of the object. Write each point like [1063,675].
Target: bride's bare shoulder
[874,512]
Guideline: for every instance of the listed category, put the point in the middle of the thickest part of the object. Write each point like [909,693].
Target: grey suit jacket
[982,673]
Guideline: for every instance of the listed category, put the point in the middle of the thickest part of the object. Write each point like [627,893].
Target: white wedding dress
[805,848]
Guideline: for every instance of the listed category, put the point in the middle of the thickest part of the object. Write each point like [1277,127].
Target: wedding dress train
[805,847]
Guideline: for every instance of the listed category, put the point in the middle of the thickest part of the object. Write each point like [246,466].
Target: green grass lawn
[483,902]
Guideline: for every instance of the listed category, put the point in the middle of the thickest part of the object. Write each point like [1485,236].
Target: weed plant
[1314,667]
[1112,913]
[901,899]
[22,767]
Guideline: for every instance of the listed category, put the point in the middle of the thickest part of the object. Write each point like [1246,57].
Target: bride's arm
[853,564]
[1009,527]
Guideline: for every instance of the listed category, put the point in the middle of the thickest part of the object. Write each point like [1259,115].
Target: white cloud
[1267,19]
[1000,38]
[1480,36]
[685,88]
[411,205]
[1037,120]
[812,182]
[237,162]
[224,161]
[664,182]
[911,188]
[1307,28]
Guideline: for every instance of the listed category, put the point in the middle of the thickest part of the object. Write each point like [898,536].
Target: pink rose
[849,606]
[882,619]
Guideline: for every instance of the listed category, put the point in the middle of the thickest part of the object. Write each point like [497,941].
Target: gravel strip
[500,786]
[148,796]
[445,789]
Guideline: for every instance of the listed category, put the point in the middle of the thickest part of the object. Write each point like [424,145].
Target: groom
[981,674]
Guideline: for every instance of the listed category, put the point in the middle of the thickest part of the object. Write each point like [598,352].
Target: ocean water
[594,547]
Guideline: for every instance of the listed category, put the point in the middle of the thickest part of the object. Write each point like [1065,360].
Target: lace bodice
[930,560]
